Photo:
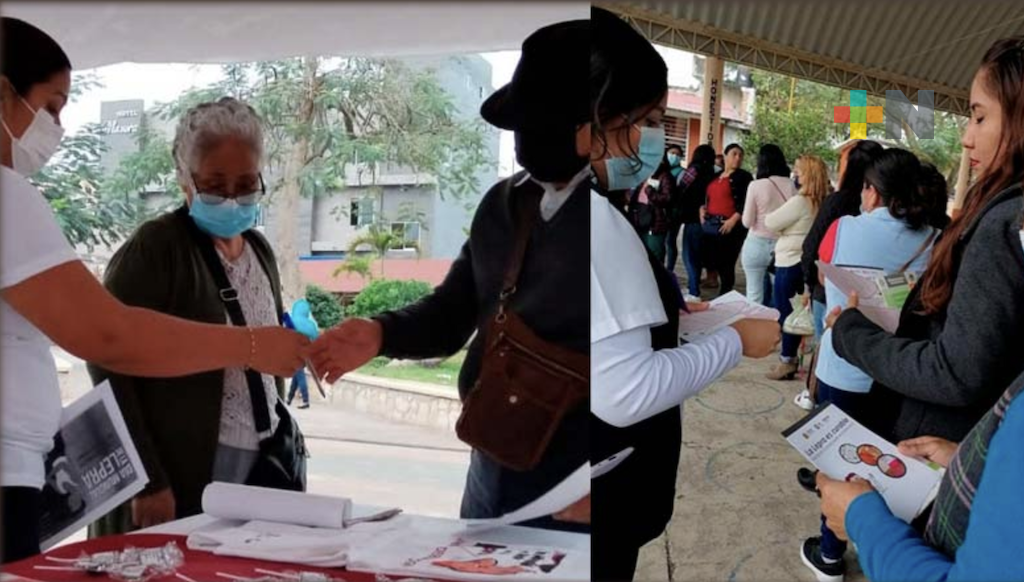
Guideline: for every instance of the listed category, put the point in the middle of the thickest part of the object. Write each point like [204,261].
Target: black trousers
[613,564]
[22,507]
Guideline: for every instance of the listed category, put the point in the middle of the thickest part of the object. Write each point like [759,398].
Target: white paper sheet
[841,447]
[725,310]
[861,281]
[573,488]
[606,466]
[278,542]
[93,467]
[425,552]
[246,503]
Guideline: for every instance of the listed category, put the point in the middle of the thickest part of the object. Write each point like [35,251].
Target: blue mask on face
[673,160]
[623,173]
[224,220]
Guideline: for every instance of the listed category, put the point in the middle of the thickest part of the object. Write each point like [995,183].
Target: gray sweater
[939,374]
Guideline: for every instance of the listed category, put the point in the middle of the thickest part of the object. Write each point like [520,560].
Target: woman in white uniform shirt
[48,296]
[639,374]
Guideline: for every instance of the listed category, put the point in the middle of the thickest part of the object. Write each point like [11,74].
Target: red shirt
[827,248]
[720,199]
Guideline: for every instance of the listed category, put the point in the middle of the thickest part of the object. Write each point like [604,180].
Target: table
[204,566]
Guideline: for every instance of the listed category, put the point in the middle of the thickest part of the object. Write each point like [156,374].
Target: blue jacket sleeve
[891,550]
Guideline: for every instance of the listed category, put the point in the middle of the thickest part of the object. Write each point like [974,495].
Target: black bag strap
[229,295]
[920,251]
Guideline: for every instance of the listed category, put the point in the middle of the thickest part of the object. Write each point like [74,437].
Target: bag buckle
[229,294]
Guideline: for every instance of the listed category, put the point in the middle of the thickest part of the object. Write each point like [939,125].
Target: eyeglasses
[217,198]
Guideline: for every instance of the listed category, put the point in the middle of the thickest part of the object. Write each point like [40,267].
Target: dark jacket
[833,207]
[550,298]
[939,374]
[174,422]
[654,217]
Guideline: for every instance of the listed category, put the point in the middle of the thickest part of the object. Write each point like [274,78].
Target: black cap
[549,86]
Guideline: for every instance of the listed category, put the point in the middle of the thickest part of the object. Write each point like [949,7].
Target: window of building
[361,212]
[408,234]
[677,131]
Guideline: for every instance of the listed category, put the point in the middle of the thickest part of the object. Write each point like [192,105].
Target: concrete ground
[739,514]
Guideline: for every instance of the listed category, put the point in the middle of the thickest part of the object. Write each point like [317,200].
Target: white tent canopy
[102,33]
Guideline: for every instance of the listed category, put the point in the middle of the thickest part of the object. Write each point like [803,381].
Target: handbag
[527,385]
[712,224]
[281,463]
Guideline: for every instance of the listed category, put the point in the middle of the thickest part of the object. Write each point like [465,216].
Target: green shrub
[386,295]
[326,309]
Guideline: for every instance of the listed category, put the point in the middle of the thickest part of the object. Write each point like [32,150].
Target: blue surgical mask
[225,220]
[623,173]
[673,160]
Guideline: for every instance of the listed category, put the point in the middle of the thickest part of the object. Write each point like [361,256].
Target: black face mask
[549,154]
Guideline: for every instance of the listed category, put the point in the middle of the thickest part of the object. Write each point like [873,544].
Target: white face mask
[35,147]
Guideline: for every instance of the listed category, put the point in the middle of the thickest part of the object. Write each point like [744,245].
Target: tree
[72,184]
[358,265]
[797,116]
[381,239]
[326,309]
[329,118]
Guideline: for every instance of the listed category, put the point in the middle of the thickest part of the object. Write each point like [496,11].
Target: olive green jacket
[174,422]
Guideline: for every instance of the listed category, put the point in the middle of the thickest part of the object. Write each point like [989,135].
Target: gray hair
[207,123]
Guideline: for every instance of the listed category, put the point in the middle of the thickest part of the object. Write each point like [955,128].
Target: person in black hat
[545,104]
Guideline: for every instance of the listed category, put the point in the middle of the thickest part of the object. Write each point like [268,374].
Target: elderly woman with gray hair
[209,426]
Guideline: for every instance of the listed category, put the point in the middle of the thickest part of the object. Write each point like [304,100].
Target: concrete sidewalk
[740,514]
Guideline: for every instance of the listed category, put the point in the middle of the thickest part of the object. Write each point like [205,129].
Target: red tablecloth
[199,566]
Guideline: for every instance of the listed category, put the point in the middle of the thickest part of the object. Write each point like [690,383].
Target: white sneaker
[803,400]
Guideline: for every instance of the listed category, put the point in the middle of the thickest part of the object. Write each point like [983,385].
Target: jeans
[756,256]
[854,404]
[299,382]
[672,246]
[819,319]
[789,282]
[692,235]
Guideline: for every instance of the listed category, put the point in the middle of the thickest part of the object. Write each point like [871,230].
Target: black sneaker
[810,554]
[303,406]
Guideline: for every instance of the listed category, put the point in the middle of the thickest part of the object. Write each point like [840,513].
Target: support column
[711,112]
[963,179]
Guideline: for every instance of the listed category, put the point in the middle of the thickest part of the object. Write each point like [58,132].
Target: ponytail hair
[897,176]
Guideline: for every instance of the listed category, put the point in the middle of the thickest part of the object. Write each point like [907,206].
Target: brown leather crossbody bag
[526,385]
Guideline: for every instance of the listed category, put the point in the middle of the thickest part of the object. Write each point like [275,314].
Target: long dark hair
[1002,71]
[936,189]
[897,176]
[857,161]
[30,56]
[626,74]
[771,162]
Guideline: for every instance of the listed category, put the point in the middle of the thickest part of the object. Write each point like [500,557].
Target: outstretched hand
[346,347]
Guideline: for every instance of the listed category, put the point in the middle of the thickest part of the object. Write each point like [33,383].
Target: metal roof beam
[709,41]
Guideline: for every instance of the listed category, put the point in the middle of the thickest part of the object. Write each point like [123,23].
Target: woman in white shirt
[770,190]
[47,296]
[639,374]
[791,222]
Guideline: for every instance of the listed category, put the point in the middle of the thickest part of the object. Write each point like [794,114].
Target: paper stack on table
[842,448]
[725,310]
[862,281]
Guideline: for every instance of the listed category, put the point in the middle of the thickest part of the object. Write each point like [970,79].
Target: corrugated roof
[868,44]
